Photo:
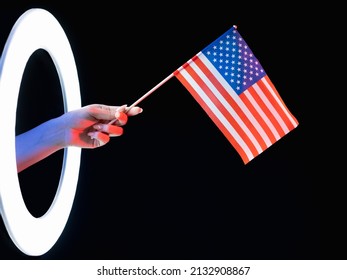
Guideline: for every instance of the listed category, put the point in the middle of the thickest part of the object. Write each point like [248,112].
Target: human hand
[92,126]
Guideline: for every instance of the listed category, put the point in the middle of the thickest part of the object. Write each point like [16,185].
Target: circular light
[35,29]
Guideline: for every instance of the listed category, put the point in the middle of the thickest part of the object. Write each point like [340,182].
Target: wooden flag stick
[146,94]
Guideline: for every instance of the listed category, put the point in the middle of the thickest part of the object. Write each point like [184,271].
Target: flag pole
[151,91]
[146,94]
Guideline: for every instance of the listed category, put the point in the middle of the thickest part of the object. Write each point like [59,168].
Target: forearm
[38,143]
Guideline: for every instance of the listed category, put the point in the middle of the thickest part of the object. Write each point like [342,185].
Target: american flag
[229,83]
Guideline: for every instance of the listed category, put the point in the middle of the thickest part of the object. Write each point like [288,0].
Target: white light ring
[35,29]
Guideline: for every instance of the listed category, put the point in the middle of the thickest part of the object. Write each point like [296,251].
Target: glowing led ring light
[35,29]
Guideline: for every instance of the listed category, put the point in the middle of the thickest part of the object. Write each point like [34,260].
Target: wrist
[53,133]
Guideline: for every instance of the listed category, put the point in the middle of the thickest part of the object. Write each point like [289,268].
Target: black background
[172,187]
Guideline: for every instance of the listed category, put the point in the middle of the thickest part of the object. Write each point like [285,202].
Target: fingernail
[97,126]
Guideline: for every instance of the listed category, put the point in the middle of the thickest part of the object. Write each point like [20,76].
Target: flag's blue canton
[234,60]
